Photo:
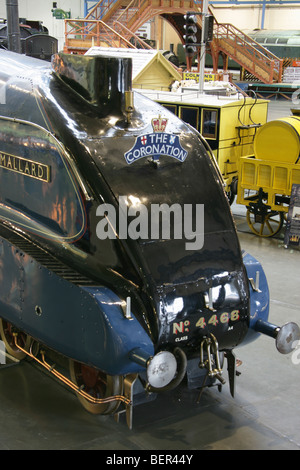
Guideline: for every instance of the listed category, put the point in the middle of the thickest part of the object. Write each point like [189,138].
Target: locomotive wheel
[270,224]
[98,385]
[7,336]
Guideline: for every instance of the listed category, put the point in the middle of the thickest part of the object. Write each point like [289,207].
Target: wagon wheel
[7,335]
[98,385]
[265,224]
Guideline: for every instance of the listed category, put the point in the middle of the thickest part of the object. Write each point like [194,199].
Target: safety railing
[80,35]
[248,53]
[134,8]
[135,40]
[100,9]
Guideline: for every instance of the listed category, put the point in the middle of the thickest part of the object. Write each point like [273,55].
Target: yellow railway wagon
[266,178]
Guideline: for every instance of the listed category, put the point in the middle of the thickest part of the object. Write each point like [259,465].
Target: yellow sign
[26,167]
[208,77]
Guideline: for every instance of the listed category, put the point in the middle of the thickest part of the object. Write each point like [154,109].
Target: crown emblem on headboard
[159,124]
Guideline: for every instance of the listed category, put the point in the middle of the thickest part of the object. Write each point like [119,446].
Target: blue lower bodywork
[259,295]
[86,324]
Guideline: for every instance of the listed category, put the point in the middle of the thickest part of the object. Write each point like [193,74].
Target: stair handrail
[225,30]
[132,4]
[248,39]
[129,17]
[103,6]
[138,40]
[82,27]
[257,60]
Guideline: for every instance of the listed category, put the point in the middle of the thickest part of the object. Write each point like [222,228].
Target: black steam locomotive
[118,247]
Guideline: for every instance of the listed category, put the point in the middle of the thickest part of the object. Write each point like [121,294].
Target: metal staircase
[113,23]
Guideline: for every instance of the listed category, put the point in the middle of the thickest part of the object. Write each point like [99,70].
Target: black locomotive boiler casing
[81,154]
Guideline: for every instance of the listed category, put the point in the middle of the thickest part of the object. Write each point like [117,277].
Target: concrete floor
[37,413]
